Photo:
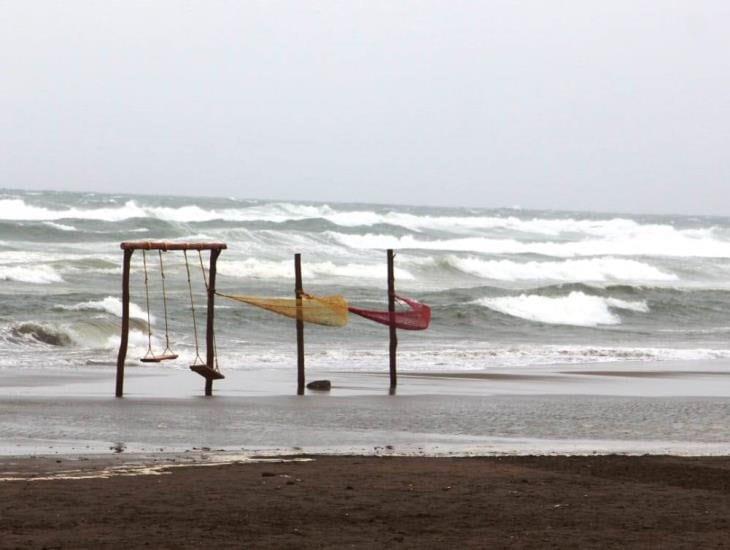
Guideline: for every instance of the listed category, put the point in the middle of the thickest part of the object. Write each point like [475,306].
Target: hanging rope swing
[199,365]
[167,354]
[149,357]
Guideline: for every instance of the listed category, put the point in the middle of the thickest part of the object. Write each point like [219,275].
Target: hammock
[330,311]
[417,318]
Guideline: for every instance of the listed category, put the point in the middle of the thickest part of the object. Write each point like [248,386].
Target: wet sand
[679,408]
[619,373]
[383,502]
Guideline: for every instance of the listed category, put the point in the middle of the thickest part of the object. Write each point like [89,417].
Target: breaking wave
[96,333]
[60,226]
[584,270]
[263,269]
[17,209]
[576,309]
[40,274]
[111,305]
[668,242]
[45,334]
[613,229]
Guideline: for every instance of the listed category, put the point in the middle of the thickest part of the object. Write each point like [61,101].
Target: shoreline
[671,408]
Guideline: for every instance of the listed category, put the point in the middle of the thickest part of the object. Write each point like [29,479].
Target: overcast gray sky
[575,104]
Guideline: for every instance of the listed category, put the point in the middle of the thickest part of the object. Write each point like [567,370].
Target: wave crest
[263,269]
[584,270]
[45,334]
[576,309]
[667,242]
[40,274]
[111,305]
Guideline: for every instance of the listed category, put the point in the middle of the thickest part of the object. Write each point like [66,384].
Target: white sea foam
[669,242]
[541,226]
[60,226]
[589,237]
[264,269]
[577,308]
[477,356]
[38,274]
[17,209]
[111,305]
[584,270]
[26,257]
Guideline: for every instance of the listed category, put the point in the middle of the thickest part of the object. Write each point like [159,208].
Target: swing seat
[167,357]
[150,359]
[207,372]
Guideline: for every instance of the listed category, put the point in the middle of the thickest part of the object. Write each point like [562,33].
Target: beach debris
[320,385]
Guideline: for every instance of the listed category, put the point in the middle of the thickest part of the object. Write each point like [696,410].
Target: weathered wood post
[300,323]
[209,331]
[391,311]
[122,356]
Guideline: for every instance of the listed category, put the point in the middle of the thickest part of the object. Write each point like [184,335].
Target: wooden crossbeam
[172,245]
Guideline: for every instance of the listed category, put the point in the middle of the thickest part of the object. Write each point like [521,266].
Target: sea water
[508,287]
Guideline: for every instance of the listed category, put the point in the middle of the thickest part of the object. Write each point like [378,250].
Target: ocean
[507,287]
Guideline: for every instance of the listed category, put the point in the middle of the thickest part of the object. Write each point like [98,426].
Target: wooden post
[391,310]
[122,356]
[209,331]
[300,323]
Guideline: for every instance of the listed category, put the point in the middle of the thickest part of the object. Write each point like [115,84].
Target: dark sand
[375,502]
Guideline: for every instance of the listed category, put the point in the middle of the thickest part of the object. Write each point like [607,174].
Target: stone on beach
[320,385]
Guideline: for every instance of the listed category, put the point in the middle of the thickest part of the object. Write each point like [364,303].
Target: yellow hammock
[330,311]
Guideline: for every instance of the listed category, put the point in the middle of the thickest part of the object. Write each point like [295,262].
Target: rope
[207,289]
[164,302]
[198,359]
[149,353]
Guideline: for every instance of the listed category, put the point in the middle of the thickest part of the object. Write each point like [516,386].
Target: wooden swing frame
[208,371]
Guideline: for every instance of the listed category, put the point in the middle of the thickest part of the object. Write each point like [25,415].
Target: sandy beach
[551,456]
[370,502]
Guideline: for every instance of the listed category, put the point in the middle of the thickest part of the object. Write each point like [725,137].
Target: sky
[617,106]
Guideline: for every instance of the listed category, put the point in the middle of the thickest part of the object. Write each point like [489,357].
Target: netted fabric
[418,317]
[330,311]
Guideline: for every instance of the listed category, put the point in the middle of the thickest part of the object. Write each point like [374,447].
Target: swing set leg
[209,332]
[125,324]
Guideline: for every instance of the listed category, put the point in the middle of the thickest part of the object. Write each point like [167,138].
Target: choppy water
[508,287]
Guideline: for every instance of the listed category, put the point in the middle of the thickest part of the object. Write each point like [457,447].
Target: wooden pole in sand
[300,323]
[209,331]
[391,326]
[122,356]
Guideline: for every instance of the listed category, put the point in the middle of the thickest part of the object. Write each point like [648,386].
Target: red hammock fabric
[417,318]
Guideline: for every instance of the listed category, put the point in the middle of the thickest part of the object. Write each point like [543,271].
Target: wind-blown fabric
[330,311]
[418,317]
